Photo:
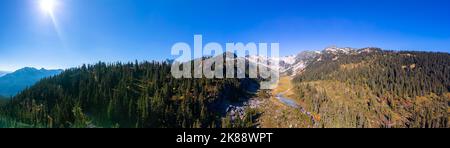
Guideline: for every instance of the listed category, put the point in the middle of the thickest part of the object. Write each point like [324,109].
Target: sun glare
[48,6]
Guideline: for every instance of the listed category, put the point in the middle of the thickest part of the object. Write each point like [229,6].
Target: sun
[48,6]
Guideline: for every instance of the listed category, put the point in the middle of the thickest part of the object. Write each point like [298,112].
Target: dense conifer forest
[123,95]
[378,89]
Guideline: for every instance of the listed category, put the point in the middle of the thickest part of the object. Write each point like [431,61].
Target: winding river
[286,101]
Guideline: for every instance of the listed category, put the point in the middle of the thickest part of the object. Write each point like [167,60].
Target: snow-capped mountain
[337,50]
[295,64]
[287,64]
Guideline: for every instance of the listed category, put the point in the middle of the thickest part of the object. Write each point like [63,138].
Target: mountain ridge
[371,87]
[295,64]
[14,82]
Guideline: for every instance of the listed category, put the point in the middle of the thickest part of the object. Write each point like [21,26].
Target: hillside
[124,95]
[375,88]
[13,83]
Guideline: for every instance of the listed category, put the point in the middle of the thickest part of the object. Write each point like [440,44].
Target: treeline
[124,95]
[3,98]
[387,88]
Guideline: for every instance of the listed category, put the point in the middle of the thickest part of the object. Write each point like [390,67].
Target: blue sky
[87,31]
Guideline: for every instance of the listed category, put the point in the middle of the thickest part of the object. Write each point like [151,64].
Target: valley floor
[280,110]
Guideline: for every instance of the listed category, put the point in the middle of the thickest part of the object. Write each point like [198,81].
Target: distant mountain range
[13,83]
[3,73]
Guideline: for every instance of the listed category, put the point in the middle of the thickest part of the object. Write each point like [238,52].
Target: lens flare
[48,6]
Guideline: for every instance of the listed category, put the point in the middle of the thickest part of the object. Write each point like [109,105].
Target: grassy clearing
[284,84]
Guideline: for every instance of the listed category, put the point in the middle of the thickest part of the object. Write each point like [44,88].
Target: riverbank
[282,110]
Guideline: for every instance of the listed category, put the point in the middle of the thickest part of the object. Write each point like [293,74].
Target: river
[286,101]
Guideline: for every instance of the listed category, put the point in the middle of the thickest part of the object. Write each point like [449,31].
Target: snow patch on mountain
[334,49]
